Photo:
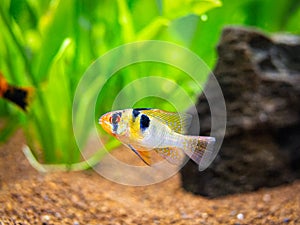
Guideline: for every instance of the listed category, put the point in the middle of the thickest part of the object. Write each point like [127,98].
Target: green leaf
[126,22]
[175,9]
[58,26]
[8,127]
[188,24]
[23,14]
[153,28]
[293,22]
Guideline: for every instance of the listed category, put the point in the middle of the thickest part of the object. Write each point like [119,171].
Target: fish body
[18,95]
[144,130]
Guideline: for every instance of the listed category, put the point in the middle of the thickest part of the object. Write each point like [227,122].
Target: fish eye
[115,119]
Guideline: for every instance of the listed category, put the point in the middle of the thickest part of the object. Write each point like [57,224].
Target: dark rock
[260,80]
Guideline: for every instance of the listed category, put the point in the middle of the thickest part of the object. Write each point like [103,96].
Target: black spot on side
[144,122]
[135,113]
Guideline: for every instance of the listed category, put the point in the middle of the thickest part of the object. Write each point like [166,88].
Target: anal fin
[172,155]
[144,155]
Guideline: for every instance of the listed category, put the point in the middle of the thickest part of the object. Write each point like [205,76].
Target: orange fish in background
[18,95]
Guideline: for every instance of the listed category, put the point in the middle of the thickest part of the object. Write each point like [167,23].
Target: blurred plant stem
[87,164]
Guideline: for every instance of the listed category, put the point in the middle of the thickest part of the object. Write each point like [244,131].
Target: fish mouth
[104,118]
[104,122]
[100,121]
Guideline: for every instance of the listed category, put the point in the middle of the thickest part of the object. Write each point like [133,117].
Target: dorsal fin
[178,122]
[141,109]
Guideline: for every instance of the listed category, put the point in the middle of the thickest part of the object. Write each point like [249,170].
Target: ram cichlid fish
[143,130]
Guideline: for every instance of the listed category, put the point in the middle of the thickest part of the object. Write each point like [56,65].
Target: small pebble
[240,216]
[185,216]
[233,213]
[286,220]
[57,215]
[204,215]
[156,220]
[266,197]
[45,219]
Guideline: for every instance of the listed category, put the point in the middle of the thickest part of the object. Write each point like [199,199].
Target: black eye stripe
[115,127]
[114,121]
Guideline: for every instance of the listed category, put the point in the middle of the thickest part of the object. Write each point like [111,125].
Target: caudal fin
[201,150]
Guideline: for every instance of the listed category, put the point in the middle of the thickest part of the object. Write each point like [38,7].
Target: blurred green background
[49,44]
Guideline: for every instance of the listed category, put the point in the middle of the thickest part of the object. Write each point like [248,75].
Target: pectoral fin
[144,155]
[172,155]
